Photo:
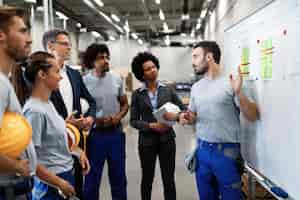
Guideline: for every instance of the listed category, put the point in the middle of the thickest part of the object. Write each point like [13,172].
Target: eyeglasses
[66,44]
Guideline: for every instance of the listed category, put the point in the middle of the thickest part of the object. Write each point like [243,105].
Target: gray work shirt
[217,110]
[106,92]
[49,135]
[9,102]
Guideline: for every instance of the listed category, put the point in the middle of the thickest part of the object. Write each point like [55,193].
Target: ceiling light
[165,25]
[107,18]
[198,26]
[112,38]
[96,34]
[89,3]
[161,15]
[99,3]
[140,41]
[30,1]
[185,17]
[183,34]
[40,9]
[78,25]
[134,36]
[167,40]
[83,30]
[115,17]
[203,13]
[61,16]
[126,26]
[157,1]
[193,33]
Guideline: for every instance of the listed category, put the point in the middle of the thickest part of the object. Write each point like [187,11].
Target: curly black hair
[139,60]
[92,52]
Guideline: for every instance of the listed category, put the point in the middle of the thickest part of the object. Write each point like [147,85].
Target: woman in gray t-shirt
[55,163]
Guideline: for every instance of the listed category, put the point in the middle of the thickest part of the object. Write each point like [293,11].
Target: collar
[144,87]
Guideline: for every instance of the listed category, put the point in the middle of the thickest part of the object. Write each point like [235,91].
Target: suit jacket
[79,91]
[141,114]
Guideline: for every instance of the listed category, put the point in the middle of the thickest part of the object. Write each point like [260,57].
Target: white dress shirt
[66,90]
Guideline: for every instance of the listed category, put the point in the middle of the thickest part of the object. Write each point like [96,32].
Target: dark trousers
[166,154]
[78,178]
[78,172]
[106,145]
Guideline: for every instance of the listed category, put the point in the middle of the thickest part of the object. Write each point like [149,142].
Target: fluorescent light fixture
[78,25]
[161,15]
[167,40]
[157,1]
[126,26]
[99,3]
[134,36]
[203,13]
[89,4]
[83,30]
[112,38]
[183,34]
[107,18]
[115,17]
[118,27]
[40,9]
[140,41]
[165,25]
[208,1]
[193,33]
[198,26]
[61,16]
[30,1]
[185,17]
[96,34]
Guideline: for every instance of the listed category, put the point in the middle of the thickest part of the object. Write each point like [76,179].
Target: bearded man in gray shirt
[215,106]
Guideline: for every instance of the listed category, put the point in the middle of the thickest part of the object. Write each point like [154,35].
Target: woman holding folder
[155,139]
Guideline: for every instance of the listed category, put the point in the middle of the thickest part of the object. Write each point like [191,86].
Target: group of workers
[41,87]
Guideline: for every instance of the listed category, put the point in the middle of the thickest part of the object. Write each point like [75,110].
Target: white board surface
[272,144]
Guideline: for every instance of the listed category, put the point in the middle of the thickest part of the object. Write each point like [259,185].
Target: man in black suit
[67,99]
[155,139]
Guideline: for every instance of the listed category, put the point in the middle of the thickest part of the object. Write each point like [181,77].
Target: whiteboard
[272,144]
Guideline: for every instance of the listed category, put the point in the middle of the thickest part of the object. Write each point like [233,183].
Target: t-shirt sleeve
[37,123]
[192,103]
[121,88]
[4,94]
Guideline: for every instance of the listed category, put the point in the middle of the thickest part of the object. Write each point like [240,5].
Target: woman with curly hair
[155,139]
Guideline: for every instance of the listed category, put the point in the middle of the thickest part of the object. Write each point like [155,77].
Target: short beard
[202,72]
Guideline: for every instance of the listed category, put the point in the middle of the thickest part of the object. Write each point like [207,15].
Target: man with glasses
[67,99]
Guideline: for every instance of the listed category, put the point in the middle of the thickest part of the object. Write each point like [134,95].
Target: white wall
[175,63]
[37,35]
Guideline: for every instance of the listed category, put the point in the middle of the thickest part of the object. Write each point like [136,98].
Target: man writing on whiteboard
[215,105]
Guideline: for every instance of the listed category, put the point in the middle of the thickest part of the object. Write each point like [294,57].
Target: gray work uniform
[9,102]
[49,135]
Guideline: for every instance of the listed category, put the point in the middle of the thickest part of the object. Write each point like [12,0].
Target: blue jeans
[218,173]
[42,191]
[106,145]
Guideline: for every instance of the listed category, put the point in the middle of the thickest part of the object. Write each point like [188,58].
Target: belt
[216,145]
[108,128]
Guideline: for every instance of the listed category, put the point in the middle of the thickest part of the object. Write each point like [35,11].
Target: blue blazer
[79,91]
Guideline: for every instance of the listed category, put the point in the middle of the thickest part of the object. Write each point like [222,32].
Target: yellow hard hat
[15,134]
[73,135]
